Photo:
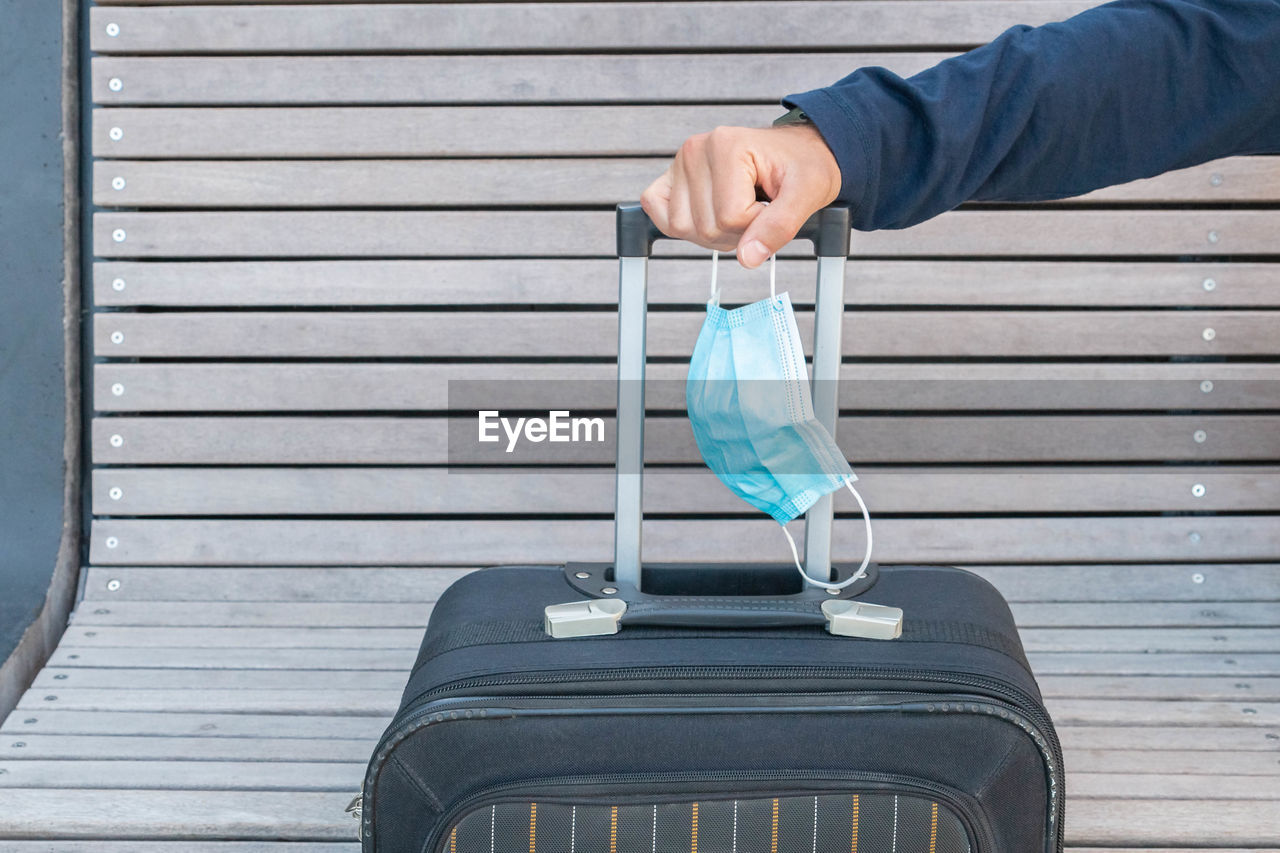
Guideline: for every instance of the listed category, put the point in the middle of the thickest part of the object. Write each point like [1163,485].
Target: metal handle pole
[633,300]
[827,322]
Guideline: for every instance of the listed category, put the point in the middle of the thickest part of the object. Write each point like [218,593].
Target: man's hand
[708,194]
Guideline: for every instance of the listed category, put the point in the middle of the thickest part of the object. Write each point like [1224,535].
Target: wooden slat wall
[315,217]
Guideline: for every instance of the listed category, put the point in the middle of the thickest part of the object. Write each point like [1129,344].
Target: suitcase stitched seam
[997,770]
[418,783]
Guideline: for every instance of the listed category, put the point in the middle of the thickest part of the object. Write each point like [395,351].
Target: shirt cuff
[845,135]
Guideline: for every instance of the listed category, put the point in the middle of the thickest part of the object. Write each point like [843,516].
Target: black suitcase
[723,708]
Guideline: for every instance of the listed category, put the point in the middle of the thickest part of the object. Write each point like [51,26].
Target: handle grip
[723,613]
[828,230]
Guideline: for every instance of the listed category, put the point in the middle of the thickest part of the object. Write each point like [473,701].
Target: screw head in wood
[113,585]
[117,183]
[117,389]
[116,440]
[1215,180]
[117,284]
[113,29]
[1198,490]
[115,493]
[1209,283]
[1213,237]
[1208,334]
[1199,436]
[116,134]
[1197,578]
[118,235]
[115,84]
[1206,386]
[117,337]
[111,543]
[1193,537]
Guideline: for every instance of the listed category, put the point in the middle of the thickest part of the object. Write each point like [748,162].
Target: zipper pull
[355,808]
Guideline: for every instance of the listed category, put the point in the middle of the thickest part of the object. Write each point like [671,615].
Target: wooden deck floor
[173,711]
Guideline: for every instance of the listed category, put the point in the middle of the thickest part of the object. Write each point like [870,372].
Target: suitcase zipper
[973,819]
[1041,729]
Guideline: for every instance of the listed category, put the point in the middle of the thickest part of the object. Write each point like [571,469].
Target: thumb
[775,226]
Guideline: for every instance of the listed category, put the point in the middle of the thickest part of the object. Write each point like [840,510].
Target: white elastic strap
[773,277]
[866,558]
[715,287]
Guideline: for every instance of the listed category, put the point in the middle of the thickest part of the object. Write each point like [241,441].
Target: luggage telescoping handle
[828,229]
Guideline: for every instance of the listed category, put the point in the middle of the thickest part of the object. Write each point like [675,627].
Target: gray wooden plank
[559,181]
[1198,582]
[485,542]
[118,284]
[317,815]
[401,491]
[414,614]
[123,440]
[53,722]
[125,678]
[525,334]
[1173,823]
[1176,786]
[1198,762]
[274,660]
[108,636]
[396,131]
[564,26]
[53,814]
[1201,739]
[478,79]
[336,702]
[1149,582]
[1150,640]
[135,775]
[1163,688]
[1136,712]
[143,747]
[428,233]
[100,845]
[351,386]
[277,584]
[1240,667]
[370,702]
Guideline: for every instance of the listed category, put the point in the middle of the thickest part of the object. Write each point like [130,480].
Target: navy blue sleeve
[1122,91]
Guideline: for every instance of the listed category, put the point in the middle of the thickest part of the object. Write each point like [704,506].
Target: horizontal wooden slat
[1106,539]
[414,615]
[560,181]
[50,721]
[864,439]
[372,131]
[426,233]
[461,334]
[98,845]
[315,815]
[479,79]
[136,775]
[401,491]
[80,813]
[678,281]
[565,26]
[905,387]
[1199,582]
[141,748]
[334,660]
[134,679]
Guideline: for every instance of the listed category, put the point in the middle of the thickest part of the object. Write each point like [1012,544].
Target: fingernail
[754,253]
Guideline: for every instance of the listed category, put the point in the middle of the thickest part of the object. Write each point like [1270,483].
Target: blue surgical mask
[752,414]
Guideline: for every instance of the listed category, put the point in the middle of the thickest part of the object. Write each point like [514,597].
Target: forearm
[1119,92]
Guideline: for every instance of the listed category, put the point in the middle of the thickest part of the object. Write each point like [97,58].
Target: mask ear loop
[866,558]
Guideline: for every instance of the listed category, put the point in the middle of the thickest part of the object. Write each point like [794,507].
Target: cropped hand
[711,193]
